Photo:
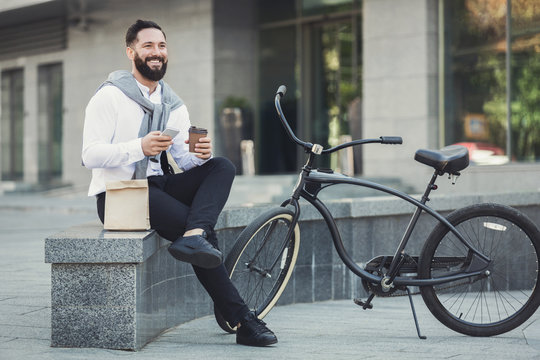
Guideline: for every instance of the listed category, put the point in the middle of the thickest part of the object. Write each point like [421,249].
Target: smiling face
[149,55]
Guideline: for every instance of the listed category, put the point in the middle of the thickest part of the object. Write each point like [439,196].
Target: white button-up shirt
[111,143]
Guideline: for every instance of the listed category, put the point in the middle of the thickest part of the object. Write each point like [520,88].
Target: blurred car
[484,153]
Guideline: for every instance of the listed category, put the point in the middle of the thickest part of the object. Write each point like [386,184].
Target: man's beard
[146,71]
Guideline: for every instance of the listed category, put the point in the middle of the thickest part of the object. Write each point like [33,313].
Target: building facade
[436,72]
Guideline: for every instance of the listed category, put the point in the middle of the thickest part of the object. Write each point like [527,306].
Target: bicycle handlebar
[394,140]
[280,92]
[309,147]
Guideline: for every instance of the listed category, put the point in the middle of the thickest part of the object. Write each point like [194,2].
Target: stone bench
[117,290]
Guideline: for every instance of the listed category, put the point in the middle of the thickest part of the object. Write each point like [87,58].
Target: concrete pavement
[336,329]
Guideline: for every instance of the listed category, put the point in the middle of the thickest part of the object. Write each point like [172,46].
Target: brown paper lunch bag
[126,205]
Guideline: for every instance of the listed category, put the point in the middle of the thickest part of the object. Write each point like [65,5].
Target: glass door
[313,47]
[332,88]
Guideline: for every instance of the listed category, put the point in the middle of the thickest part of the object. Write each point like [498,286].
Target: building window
[525,75]
[11,125]
[50,110]
[480,104]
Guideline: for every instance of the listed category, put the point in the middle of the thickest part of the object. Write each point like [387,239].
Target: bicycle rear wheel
[261,261]
[483,305]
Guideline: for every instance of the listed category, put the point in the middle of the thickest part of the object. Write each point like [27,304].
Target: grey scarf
[155,115]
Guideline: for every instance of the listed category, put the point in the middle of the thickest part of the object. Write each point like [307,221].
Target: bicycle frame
[328,179]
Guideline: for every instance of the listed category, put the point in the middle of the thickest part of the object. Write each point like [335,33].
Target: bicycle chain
[418,292]
[403,292]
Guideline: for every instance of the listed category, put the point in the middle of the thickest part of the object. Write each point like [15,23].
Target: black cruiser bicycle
[477,271]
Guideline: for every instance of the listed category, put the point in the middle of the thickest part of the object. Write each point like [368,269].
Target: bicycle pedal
[364,304]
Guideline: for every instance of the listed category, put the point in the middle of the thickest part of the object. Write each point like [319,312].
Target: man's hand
[203,148]
[153,143]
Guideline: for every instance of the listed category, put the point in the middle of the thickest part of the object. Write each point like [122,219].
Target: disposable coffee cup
[195,133]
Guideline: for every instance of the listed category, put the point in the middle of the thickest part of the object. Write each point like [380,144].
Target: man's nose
[155,50]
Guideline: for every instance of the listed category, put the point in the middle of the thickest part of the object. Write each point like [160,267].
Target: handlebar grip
[391,140]
[282,90]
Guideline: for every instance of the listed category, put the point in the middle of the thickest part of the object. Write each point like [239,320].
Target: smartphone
[170,132]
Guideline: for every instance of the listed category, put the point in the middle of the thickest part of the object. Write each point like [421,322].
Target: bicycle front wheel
[507,295]
[262,261]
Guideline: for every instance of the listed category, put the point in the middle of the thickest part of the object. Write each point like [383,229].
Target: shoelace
[259,326]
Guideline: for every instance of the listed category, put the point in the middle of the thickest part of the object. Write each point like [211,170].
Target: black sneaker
[253,332]
[196,250]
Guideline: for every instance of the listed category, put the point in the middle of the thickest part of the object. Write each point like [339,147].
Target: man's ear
[130,53]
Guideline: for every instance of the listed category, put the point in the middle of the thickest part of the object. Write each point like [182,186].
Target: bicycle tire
[267,268]
[485,305]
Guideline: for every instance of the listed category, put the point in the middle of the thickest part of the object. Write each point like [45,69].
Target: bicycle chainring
[377,289]
[378,266]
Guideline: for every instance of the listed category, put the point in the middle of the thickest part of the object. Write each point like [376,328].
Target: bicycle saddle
[450,159]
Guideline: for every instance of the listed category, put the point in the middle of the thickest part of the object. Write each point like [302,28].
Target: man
[122,140]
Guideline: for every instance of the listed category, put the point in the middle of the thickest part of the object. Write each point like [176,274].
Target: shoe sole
[247,343]
[201,258]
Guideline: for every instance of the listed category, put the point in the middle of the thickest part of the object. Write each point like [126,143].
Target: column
[399,85]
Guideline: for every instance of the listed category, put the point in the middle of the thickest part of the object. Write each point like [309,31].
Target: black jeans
[189,200]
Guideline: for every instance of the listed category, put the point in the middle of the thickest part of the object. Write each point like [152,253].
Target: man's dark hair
[133,30]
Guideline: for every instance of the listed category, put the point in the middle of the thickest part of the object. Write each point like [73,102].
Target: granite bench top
[90,243]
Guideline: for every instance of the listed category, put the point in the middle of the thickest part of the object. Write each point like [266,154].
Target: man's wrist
[135,149]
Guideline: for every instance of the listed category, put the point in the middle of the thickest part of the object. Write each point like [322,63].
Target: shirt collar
[146,90]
